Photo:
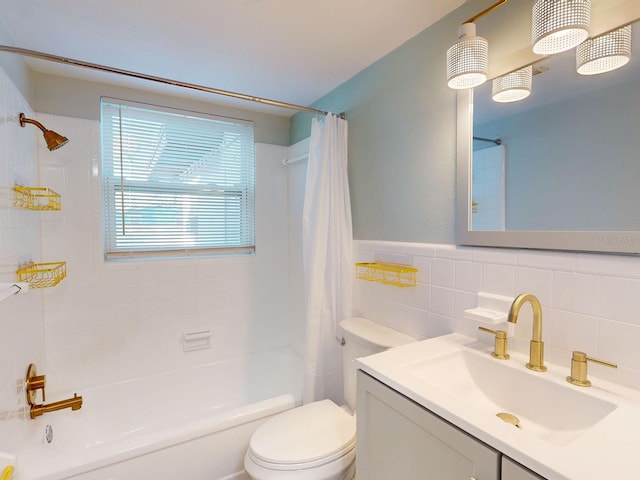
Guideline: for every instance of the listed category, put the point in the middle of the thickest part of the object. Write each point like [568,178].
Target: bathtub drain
[48,433]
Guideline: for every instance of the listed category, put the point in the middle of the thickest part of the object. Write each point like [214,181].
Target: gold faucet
[499,344]
[536,346]
[35,382]
[579,368]
[74,403]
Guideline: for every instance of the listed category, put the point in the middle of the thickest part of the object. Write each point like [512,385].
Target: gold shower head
[54,140]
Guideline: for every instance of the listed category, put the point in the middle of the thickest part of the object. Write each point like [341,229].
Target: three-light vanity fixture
[557,26]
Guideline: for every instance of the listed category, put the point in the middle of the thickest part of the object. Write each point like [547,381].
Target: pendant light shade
[468,59]
[604,53]
[513,86]
[559,25]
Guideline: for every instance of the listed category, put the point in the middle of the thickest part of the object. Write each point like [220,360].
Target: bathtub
[185,424]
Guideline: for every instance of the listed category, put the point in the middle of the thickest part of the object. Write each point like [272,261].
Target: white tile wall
[588,299]
[21,316]
[114,320]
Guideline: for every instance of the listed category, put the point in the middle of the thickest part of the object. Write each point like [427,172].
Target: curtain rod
[202,88]
[497,141]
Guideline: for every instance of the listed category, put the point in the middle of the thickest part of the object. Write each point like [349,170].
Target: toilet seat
[304,437]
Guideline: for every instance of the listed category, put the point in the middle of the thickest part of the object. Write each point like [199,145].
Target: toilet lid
[303,437]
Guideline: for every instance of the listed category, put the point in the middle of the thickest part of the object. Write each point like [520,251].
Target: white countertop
[610,449]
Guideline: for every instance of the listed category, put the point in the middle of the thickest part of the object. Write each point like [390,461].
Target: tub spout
[74,403]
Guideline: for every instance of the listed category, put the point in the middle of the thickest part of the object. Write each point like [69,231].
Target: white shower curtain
[327,248]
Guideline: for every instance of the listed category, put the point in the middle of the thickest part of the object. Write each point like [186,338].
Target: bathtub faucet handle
[33,383]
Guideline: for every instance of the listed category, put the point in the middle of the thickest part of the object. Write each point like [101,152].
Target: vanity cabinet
[514,471]
[397,438]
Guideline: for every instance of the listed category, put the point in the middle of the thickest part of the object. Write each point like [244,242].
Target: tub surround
[110,321]
[21,316]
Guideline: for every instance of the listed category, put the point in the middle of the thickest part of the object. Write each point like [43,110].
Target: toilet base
[342,468]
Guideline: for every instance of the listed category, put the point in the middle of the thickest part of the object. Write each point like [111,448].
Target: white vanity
[429,411]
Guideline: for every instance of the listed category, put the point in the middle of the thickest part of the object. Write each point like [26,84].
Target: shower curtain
[327,248]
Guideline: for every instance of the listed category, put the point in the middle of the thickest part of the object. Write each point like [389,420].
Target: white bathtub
[186,424]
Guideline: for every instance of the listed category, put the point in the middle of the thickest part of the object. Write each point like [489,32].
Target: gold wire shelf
[36,198]
[42,275]
[396,274]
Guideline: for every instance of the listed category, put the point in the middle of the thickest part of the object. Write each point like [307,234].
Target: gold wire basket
[42,275]
[396,274]
[36,198]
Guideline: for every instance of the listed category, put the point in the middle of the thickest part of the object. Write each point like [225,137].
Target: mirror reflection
[567,158]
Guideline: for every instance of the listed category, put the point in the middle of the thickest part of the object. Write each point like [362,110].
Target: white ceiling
[294,51]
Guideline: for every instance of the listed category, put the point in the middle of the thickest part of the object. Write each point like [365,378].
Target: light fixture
[468,59]
[605,52]
[559,25]
[54,140]
[513,86]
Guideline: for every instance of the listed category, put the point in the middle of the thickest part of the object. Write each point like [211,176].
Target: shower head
[54,140]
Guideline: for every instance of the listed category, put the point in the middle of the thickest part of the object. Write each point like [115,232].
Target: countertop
[607,450]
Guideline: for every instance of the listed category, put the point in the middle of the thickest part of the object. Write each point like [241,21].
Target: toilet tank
[363,337]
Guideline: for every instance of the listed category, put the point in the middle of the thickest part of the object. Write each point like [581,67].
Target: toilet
[317,441]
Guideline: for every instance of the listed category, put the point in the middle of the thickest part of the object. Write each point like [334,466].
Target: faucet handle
[33,383]
[579,368]
[500,343]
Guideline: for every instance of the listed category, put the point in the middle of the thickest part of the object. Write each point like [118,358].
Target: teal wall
[402,128]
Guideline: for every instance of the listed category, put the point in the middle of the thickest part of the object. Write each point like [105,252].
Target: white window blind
[176,183]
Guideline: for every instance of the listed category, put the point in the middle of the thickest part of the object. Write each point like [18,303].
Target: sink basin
[545,407]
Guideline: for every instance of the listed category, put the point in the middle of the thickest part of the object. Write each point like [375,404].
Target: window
[176,183]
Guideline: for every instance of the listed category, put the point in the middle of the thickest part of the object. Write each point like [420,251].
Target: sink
[546,407]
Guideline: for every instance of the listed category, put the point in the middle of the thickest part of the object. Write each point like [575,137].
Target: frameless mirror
[558,170]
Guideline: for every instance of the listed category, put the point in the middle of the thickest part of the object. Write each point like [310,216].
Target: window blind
[176,183]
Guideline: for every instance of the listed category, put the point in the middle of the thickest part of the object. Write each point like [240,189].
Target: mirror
[559,170]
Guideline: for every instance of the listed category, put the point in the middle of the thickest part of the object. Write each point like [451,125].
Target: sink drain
[509,418]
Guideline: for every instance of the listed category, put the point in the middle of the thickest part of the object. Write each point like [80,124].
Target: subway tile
[420,323]
[495,255]
[454,252]
[468,276]
[576,292]
[617,299]
[536,281]
[443,272]
[422,249]
[423,265]
[421,298]
[440,325]
[618,343]
[401,318]
[557,261]
[609,265]
[573,331]
[498,279]
[442,301]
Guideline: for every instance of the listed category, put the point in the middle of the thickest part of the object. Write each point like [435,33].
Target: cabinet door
[399,439]
[514,471]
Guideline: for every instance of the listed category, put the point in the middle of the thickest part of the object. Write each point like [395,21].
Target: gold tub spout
[74,403]
[536,345]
